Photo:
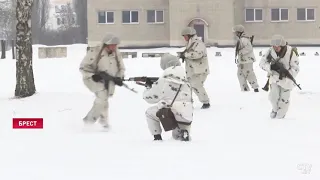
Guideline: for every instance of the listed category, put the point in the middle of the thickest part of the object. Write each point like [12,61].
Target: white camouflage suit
[245,61]
[163,92]
[105,62]
[196,64]
[280,90]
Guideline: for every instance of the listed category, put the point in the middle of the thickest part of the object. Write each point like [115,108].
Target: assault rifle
[143,80]
[294,50]
[283,72]
[107,78]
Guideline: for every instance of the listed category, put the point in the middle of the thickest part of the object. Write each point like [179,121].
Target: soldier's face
[111,48]
[277,48]
[186,38]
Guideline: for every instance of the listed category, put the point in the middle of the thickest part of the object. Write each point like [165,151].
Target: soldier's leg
[104,109]
[274,96]
[100,103]
[284,102]
[153,121]
[197,84]
[242,79]
[250,75]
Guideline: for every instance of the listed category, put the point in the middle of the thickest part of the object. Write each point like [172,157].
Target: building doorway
[200,30]
[201,27]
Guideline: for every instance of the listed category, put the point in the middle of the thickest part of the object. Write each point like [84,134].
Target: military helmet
[110,39]
[278,40]
[238,28]
[188,31]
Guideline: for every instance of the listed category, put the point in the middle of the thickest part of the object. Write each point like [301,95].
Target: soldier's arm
[88,64]
[122,68]
[264,64]
[245,46]
[196,52]
[294,67]
[155,93]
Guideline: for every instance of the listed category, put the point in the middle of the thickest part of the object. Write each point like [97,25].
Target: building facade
[154,23]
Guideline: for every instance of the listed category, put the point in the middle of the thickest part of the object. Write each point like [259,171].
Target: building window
[130,17]
[254,15]
[155,16]
[105,17]
[279,14]
[305,14]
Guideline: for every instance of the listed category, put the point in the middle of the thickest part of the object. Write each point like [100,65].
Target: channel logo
[27,123]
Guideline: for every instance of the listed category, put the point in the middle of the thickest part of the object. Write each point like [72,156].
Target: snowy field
[233,140]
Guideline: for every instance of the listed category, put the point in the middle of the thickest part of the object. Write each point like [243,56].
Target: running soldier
[104,59]
[278,59]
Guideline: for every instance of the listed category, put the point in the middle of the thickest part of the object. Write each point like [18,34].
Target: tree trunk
[13,49]
[25,86]
[3,49]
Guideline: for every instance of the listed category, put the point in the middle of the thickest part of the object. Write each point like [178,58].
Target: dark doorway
[200,30]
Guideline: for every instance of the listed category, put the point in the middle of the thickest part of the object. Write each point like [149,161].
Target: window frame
[106,17]
[254,15]
[306,15]
[155,16]
[280,18]
[130,17]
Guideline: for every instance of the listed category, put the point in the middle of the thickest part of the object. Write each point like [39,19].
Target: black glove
[274,67]
[148,82]
[182,56]
[279,68]
[96,77]
[118,81]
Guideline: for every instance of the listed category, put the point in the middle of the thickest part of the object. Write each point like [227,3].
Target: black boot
[205,106]
[256,90]
[184,135]
[157,137]
[245,89]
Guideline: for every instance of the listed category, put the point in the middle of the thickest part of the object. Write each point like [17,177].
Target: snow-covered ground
[233,140]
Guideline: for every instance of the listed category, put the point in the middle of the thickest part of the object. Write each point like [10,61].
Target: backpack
[295,51]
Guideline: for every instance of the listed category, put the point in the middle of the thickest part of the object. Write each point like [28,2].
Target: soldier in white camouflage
[162,93]
[196,64]
[246,58]
[279,58]
[104,58]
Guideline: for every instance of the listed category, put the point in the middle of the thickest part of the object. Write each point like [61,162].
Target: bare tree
[6,14]
[25,86]
[80,7]
[6,21]
[44,13]
[67,16]
[40,16]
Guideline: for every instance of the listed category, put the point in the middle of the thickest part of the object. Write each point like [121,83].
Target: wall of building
[133,34]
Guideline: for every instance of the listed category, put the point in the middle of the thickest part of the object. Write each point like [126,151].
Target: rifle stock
[266,86]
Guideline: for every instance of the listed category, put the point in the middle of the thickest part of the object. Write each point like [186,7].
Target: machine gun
[143,80]
[107,78]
